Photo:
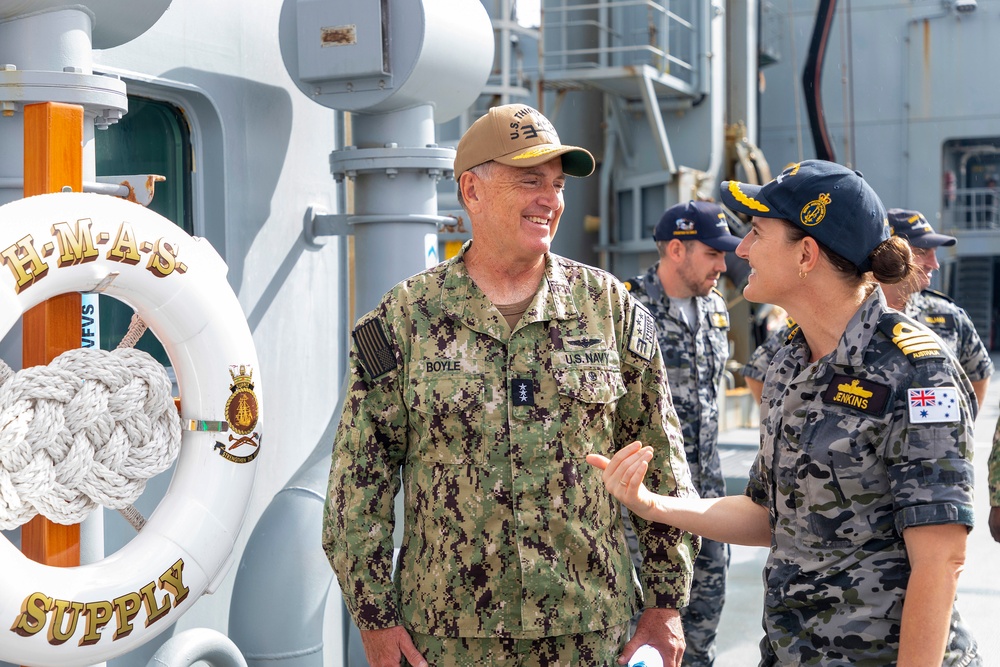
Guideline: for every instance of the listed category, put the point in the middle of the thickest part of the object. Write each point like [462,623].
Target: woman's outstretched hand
[623,475]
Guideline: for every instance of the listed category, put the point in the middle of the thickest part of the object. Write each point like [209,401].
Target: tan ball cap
[518,136]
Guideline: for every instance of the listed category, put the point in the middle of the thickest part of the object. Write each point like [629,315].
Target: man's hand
[661,629]
[383,648]
[995,523]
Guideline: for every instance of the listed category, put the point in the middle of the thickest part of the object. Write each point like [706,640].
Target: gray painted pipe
[195,645]
[276,614]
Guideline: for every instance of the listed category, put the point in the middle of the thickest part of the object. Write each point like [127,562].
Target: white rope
[88,429]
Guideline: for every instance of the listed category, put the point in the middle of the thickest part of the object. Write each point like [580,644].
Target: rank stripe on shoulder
[373,348]
[940,295]
[913,340]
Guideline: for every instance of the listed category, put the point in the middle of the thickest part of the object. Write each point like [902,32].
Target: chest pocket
[446,416]
[845,486]
[588,397]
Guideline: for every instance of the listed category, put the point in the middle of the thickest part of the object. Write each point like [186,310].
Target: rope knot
[88,429]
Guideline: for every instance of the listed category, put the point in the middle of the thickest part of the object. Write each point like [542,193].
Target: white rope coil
[88,429]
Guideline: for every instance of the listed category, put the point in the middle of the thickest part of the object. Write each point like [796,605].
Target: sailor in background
[935,309]
[692,327]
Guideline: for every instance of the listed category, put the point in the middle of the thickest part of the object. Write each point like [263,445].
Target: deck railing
[621,33]
[972,208]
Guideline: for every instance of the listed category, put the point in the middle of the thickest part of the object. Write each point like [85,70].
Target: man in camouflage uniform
[692,325]
[478,387]
[935,309]
[929,307]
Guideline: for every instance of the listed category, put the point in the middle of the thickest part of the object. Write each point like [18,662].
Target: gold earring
[802,274]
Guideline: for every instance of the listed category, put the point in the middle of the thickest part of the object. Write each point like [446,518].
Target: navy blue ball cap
[829,202]
[913,226]
[696,221]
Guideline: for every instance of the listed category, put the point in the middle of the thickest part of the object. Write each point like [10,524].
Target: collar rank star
[522,391]
[857,393]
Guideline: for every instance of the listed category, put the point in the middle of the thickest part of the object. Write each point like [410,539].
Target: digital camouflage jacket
[507,531]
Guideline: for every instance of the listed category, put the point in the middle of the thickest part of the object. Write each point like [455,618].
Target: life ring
[74,242]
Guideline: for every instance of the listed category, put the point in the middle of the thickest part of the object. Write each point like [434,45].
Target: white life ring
[72,242]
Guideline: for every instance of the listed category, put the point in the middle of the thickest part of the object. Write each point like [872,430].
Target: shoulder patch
[373,348]
[915,342]
[933,405]
[642,333]
[858,393]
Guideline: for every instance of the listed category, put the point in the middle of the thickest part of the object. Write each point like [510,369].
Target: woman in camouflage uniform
[863,485]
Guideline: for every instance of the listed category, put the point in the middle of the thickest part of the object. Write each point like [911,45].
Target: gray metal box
[342,40]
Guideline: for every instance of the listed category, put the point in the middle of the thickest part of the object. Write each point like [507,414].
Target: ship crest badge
[813,213]
[242,413]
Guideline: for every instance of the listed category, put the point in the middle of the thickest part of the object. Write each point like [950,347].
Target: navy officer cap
[829,202]
[913,226]
[696,221]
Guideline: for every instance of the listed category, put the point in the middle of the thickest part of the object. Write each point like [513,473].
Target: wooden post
[53,159]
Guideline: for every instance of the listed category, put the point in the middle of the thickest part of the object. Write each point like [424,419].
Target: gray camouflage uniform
[843,469]
[760,358]
[695,362]
[508,532]
[953,325]
[932,309]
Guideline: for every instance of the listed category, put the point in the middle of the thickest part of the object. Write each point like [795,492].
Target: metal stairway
[974,292]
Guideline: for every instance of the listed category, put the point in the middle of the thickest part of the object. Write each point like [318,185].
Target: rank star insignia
[242,413]
[522,391]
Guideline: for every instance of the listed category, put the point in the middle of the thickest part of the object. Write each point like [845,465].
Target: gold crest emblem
[813,213]
[242,413]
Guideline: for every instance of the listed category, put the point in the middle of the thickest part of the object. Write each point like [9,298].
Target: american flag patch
[933,405]
[373,348]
